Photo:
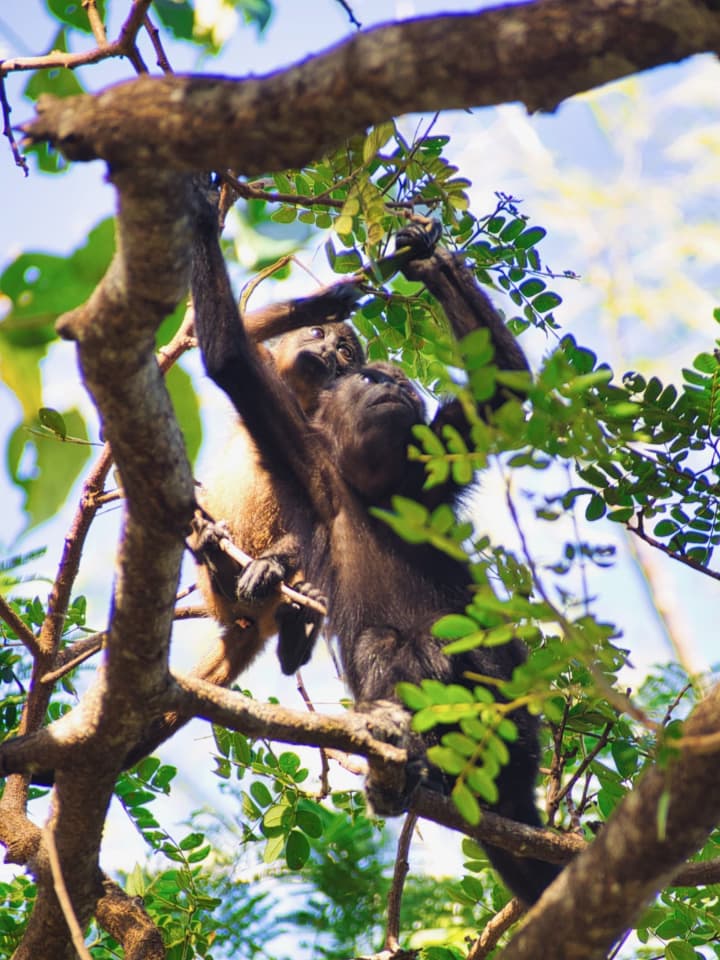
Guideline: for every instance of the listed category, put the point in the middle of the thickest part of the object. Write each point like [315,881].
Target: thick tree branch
[538,53]
[115,334]
[126,919]
[635,855]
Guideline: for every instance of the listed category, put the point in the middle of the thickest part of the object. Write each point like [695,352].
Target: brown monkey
[251,503]
[385,593]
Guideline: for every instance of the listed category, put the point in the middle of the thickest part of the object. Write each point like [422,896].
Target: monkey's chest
[375,579]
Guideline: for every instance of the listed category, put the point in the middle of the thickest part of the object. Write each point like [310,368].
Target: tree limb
[634,856]
[538,53]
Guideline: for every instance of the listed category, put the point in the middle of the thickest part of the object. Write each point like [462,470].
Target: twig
[185,592]
[495,928]
[82,651]
[249,191]
[191,613]
[688,561]
[557,766]
[154,34]
[124,46]
[351,16]
[64,898]
[601,742]
[20,160]
[402,866]
[19,628]
[324,765]
[669,712]
[95,21]
[243,559]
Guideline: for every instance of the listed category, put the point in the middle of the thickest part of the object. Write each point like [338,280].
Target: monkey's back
[243,495]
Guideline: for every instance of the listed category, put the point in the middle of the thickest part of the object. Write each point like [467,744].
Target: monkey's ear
[418,239]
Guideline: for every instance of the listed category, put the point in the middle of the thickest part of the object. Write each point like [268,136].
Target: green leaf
[452,626]
[412,696]
[54,421]
[483,784]
[706,363]
[42,286]
[546,302]
[57,466]
[274,848]
[532,287]
[512,230]
[297,850]
[626,757]
[187,410]
[258,12]
[447,759]
[277,817]
[177,16]
[466,803]
[191,841]
[595,508]
[260,793]
[72,13]
[310,823]
[681,950]
[529,238]
[471,641]
[460,743]
[376,139]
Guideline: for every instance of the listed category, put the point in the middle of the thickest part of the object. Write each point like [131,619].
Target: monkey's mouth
[392,400]
[314,364]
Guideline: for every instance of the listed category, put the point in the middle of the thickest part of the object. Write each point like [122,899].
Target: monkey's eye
[317,333]
[346,352]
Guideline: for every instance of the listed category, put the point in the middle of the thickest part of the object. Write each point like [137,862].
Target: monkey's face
[311,358]
[368,418]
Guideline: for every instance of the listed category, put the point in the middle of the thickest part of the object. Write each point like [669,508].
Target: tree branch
[634,856]
[291,117]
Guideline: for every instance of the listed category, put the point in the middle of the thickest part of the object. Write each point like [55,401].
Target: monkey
[250,502]
[384,594]
[317,347]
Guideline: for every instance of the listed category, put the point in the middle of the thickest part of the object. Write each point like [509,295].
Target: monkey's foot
[298,627]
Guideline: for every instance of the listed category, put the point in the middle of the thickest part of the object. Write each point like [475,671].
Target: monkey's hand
[260,578]
[393,726]
[334,302]
[417,240]
[204,544]
[298,627]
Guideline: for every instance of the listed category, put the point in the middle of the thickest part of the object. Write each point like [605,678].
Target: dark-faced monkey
[384,594]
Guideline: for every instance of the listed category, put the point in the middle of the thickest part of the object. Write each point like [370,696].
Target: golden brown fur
[250,503]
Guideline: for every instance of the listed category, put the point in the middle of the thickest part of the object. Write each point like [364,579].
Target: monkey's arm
[232,361]
[328,305]
[465,304]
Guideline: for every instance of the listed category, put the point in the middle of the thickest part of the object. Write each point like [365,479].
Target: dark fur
[384,593]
